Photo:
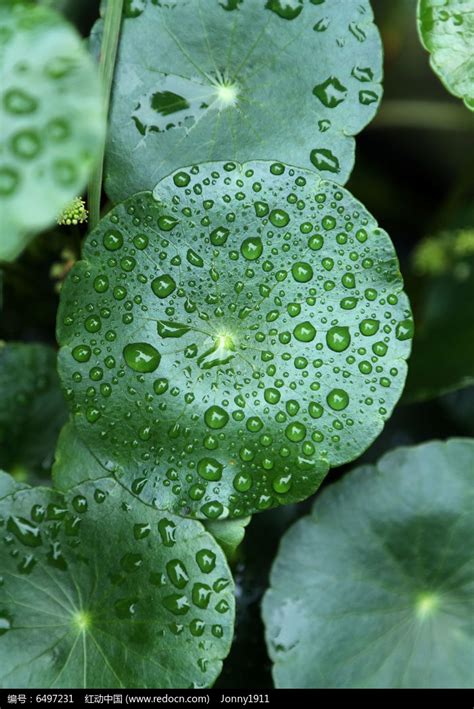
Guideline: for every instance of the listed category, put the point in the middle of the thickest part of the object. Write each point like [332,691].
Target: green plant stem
[108,53]
[431,115]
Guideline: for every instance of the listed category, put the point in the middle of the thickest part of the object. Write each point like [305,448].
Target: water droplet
[338,338]
[369,327]
[171,329]
[216,417]
[163,286]
[315,410]
[141,357]
[93,323]
[167,223]
[26,532]
[181,179]
[305,332]
[113,240]
[302,271]
[206,560]
[243,482]
[279,218]
[125,608]
[201,595]
[251,248]
[141,531]
[219,236]
[331,92]
[194,259]
[82,353]
[285,9]
[167,530]
[404,330]
[338,399]
[295,432]
[177,573]
[5,623]
[212,510]
[210,469]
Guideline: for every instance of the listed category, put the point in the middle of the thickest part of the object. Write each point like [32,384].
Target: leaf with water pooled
[288,350]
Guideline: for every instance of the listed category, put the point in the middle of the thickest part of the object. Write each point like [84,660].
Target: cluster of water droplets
[164,585]
[231,337]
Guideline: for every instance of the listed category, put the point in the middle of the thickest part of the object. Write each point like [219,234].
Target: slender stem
[108,53]
[434,115]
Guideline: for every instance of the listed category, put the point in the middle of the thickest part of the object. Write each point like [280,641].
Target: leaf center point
[426,605]
[226,95]
[82,620]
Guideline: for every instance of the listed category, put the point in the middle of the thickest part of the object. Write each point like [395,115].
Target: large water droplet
[251,248]
[141,357]
[163,285]
[216,417]
[338,338]
[338,399]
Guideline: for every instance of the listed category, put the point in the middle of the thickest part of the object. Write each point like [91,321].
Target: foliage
[52,121]
[232,326]
[268,328]
[238,81]
[373,589]
[154,609]
[446,30]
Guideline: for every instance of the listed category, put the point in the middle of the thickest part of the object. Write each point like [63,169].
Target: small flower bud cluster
[73,213]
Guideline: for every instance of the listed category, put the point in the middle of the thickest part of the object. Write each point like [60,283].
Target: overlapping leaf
[75,463]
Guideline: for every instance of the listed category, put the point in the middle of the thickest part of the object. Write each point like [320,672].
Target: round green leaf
[446,29]
[151,605]
[230,337]
[258,79]
[52,120]
[374,589]
[32,409]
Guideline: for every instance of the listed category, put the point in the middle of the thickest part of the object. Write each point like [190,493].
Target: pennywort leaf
[231,336]
[52,120]
[374,588]
[244,80]
[446,29]
[150,606]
